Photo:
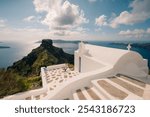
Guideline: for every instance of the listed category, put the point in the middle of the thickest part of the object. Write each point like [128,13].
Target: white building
[89,58]
[99,73]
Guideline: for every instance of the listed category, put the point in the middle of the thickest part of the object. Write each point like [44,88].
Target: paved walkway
[55,77]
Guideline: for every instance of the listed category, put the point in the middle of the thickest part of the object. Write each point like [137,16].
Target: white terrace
[99,73]
[57,74]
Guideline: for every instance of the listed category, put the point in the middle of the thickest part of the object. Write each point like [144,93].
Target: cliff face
[46,54]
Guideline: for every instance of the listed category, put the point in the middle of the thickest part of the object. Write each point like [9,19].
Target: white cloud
[30,35]
[98,30]
[139,13]
[61,15]
[136,33]
[81,29]
[23,34]
[41,6]
[101,20]
[30,19]
[2,23]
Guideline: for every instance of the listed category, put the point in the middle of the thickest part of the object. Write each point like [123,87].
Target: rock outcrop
[44,55]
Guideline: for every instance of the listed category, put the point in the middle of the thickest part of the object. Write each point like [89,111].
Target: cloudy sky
[31,20]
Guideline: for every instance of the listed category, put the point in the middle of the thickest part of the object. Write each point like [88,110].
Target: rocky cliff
[46,54]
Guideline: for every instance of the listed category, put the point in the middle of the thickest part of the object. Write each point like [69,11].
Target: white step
[88,94]
[85,93]
[132,81]
[79,95]
[102,91]
[130,96]
[102,97]
[75,96]
[127,93]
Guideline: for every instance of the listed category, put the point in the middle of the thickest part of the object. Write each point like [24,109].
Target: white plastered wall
[87,63]
[132,64]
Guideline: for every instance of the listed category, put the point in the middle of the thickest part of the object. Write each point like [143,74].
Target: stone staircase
[88,94]
[113,88]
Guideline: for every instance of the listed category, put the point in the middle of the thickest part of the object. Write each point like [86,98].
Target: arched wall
[132,64]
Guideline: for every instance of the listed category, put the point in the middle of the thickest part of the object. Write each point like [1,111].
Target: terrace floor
[57,76]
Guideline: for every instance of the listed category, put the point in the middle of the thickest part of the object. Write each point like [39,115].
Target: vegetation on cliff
[46,54]
[24,74]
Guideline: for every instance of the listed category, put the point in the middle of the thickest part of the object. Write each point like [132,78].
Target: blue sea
[17,51]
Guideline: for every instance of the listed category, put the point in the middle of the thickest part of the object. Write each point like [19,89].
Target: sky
[106,20]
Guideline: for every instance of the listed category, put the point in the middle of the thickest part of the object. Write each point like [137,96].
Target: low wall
[24,95]
[43,76]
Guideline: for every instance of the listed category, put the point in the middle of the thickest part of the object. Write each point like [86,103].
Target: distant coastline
[17,52]
[62,41]
[139,45]
[4,47]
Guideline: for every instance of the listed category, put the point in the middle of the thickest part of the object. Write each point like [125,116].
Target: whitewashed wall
[89,64]
[132,64]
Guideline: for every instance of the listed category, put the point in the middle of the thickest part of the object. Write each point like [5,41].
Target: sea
[17,51]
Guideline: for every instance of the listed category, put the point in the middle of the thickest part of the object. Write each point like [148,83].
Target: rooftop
[57,76]
[106,54]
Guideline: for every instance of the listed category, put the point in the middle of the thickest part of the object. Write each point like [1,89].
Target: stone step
[113,90]
[87,94]
[28,98]
[78,95]
[132,81]
[37,97]
[109,90]
[75,96]
[98,95]
[66,99]
[128,86]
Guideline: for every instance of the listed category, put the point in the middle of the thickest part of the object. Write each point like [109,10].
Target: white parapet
[43,76]
[28,94]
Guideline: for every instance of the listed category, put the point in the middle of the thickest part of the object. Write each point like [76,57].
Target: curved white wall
[83,80]
[132,64]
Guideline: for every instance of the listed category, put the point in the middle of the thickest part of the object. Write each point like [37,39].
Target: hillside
[24,74]
[46,54]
